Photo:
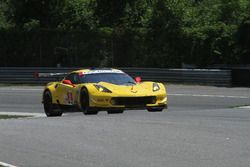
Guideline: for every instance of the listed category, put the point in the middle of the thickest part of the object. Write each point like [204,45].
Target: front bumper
[127,102]
[129,108]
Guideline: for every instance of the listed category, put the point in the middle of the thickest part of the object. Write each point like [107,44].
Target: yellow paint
[97,98]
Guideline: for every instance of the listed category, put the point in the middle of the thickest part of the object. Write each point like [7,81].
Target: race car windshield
[114,78]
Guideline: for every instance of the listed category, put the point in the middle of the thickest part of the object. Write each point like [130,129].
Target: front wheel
[50,109]
[84,101]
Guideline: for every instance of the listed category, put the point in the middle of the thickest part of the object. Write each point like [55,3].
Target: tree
[164,33]
[243,34]
[210,28]
[37,13]
[4,24]
[78,15]
[109,12]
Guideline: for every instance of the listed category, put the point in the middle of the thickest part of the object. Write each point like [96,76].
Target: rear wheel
[50,109]
[115,111]
[84,101]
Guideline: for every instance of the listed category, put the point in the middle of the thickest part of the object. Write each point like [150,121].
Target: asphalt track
[201,128]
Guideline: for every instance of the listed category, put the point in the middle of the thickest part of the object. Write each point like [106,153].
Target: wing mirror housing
[137,79]
[68,82]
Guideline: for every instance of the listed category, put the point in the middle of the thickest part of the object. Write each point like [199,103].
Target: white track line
[244,107]
[200,95]
[21,89]
[6,165]
[22,114]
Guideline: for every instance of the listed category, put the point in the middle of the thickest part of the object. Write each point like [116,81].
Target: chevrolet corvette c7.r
[93,90]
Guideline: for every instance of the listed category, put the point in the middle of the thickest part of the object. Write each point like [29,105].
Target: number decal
[68,98]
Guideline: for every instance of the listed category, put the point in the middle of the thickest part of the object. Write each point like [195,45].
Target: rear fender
[51,87]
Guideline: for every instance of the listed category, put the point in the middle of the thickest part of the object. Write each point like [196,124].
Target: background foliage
[140,33]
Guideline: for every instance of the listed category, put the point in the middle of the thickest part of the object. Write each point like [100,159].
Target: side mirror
[137,79]
[68,82]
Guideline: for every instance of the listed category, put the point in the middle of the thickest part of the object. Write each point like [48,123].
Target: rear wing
[49,75]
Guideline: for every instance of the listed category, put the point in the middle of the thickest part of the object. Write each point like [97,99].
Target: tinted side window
[73,78]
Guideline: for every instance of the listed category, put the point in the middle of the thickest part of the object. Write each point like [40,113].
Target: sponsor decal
[103,71]
[68,98]
[132,90]
[77,95]
[81,74]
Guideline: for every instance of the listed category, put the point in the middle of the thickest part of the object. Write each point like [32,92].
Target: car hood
[140,89]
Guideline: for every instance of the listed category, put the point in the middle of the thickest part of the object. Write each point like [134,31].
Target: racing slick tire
[50,109]
[115,111]
[84,101]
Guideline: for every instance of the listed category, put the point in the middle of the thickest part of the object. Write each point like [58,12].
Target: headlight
[102,89]
[156,87]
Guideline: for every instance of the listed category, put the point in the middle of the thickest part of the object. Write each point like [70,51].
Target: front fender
[149,85]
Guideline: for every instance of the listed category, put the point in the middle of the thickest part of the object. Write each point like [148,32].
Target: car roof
[98,70]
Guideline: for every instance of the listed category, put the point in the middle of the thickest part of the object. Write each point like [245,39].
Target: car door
[66,92]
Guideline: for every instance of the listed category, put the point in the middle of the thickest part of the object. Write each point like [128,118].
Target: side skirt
[68,108]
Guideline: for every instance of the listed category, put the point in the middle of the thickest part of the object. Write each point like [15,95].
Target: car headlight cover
[102,89]
[156,87]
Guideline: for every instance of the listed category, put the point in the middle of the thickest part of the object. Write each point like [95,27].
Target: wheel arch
[52,92]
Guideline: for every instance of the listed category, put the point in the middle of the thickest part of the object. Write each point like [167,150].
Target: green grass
[12,117]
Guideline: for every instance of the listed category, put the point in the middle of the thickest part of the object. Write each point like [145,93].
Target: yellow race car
[93,90]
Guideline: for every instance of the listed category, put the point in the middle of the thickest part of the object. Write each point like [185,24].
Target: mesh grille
[131,101]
